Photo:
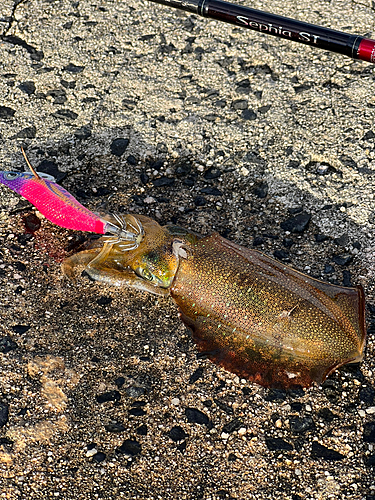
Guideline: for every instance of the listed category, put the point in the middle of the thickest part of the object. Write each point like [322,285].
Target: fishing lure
[61,208]
[248,313]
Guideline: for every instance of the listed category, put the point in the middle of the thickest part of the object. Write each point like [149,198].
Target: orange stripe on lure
[61,208]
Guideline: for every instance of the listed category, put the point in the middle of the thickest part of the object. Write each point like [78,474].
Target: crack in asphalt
[35,54]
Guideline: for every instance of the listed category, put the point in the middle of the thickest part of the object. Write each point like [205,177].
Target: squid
[248,313]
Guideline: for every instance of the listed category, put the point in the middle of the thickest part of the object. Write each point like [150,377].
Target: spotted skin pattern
[248,313]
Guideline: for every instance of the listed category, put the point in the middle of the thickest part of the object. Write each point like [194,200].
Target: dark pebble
[7,344]
[261,189]
[130,448]
[189,181]
[196,375]
[328,269]
[72,68]
[343,240]
[342,259]
[131,160]
[278,444]
[114,427]
[177,433]
[27,87]
[281,255]
[144,178]
[248,114]
[240,104]
[326,414]
[232,426]
[296,224]
[21,329]
[368,135]
[369,432]
[346,278]
[118,146]
[296,406]
[320,451]
[4,413]
[99,457]
[156,165]
[212,173]
[104,301]
[275,395]
[367,395]
[348,161]
[288,242]
[27,133]
[232,457]
[129,104]
[120,381]
[32,223]
[6,112]
[212,191]
[65,114]
[182,446]
[163,181]
[142,430]
[59,96]
[224,407]
[50,168]
[183,167]
[195,416]
[320,238]
[300,425]
[83,133]
[264,109]
[258,241]
[108,396]
[370,461]
[137,412]
[200,201]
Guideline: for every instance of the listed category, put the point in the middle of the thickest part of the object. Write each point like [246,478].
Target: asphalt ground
[102,394]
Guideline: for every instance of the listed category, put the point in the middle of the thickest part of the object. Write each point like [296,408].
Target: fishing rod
[354,46]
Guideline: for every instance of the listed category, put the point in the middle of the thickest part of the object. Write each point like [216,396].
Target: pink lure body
[54,202]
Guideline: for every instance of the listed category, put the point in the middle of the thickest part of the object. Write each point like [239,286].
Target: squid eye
[145,273]
[11,176]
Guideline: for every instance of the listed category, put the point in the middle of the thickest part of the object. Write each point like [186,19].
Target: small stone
[72,68]
[320,451]
[108,396]
[261,189]
[326,414]
[248,114]
[200,201]
[320,238]
[91,452]
[371,410]
[296,224]
[211,191]
[240,104]
[196,375]
[242,431]
[212,173]
[129,447]
[142,430]
[27,87]
[32,223]
[118,146]
[281,255]
[4,413]
[99,457]
[6,112]
[83,133]
[278,444]
[163,181]
[300,425]
[7,344]
[328,269]
[370,461]
[232,426]
[175,401]
[224,435]
[369,432]
[343,259]
[195,416]
[137,412]
[27,133]
[21,329]
[67,114]
[177,434]
[104,301]
[114,427]
[258,241]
